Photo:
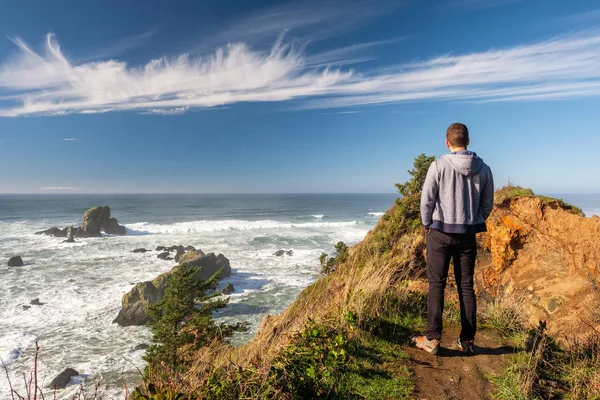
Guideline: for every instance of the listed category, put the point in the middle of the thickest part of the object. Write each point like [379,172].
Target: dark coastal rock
[228,289]
[95,221]
[189,248]
[281,253]
[163,256]
[135,303]
[112,227]
[26,307]
[140,250]
[15,261]
[63,379]
[210,264]
[53,232]
[36,302]
[180,252]
[141,346]
[161,248]
[69,235]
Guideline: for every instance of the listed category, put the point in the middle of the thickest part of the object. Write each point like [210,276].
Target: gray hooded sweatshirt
[458,194]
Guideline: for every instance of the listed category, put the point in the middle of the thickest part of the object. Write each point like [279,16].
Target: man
[457,198]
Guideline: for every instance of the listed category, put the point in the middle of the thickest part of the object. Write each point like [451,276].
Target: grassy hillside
[346,335]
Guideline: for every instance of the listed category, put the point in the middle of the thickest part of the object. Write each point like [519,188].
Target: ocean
[80,285]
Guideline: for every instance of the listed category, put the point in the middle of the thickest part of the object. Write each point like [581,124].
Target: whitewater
[80,285]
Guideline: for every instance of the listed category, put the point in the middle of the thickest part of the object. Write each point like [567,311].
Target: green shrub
[406,215]
[330,264]
[313,365]
[184,318]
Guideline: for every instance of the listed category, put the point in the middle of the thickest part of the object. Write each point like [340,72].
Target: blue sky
[308,96]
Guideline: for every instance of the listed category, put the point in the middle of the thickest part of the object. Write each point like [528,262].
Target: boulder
[280,253]
[141,346]
[188,248]
[163,256]
[69,235]
[94,219]
[15,261]
[135,303]
[53,232]
[63,379]
[36,302]
[180,252]
[210,264]
[140,250]
[112,227]
[228,289]
[161,248]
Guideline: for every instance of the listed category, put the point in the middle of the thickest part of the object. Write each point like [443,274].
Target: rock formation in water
[95,221]
[69,235]
[15,261]
[281,253]
[228,289]
[135,303]
[63,379]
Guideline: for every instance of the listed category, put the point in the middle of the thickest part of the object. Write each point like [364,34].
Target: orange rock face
[548,255]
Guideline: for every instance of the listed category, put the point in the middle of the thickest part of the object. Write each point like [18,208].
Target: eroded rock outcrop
[63,379]
[549,256]
[15,261]
[135,303]
[95,221]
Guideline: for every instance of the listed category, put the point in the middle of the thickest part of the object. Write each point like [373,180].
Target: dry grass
[506,313]
[511,191]
[543,370]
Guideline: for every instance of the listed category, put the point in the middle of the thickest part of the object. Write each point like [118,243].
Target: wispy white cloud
[69,139]
[479,4]
[57,188]
[585,17]
[168,111]
[305,20]
[343,112]
[120,46]
[48,83]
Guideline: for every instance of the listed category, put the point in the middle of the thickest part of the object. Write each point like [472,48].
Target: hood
[466,162]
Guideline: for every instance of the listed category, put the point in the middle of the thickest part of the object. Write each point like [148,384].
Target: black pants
[462,249]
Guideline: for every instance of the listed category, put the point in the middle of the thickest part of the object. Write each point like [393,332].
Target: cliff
[541,251]
[347,334]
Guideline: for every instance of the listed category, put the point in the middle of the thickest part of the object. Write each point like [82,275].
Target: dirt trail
[451,375]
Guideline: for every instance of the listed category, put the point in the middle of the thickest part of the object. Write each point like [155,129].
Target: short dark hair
[458,135]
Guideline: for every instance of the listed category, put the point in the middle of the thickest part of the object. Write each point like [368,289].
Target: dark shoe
[466,346]
[431,346]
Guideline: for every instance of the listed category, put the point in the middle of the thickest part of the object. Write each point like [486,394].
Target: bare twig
[35,387]
[12,392]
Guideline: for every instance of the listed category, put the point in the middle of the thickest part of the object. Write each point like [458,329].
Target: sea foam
[226,225]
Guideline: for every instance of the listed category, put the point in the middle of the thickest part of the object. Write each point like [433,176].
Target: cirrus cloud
[48,83]
[57,188]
